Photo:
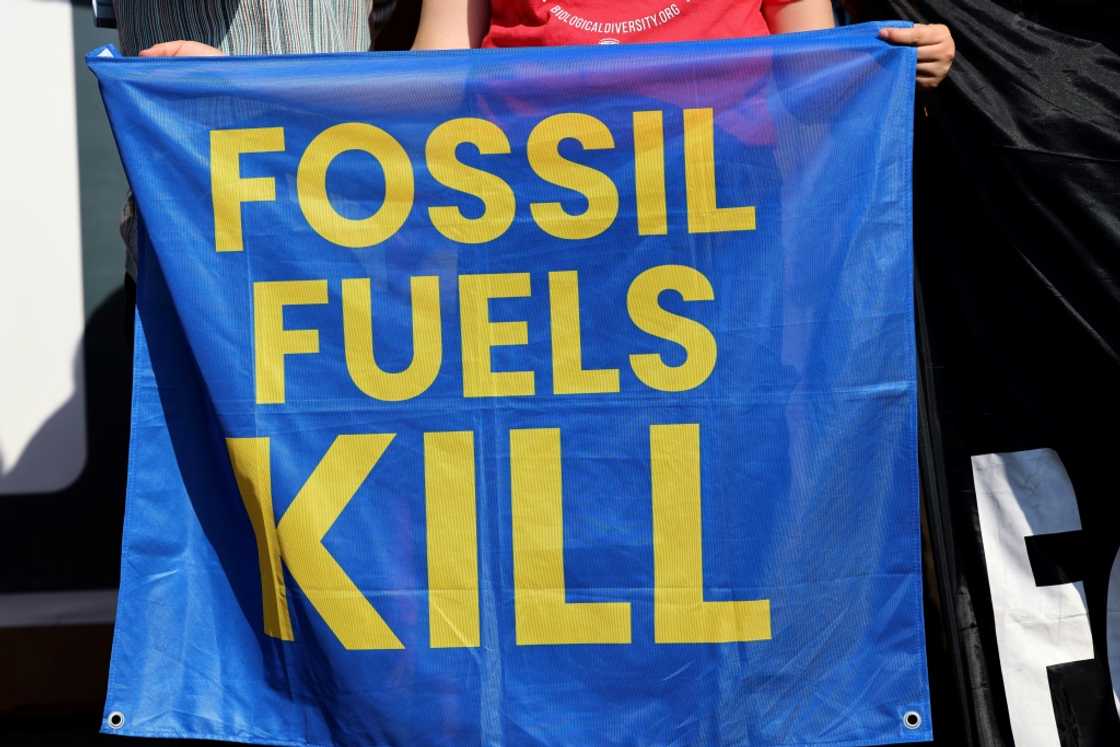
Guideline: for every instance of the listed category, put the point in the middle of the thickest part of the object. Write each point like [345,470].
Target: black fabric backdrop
[1018,262]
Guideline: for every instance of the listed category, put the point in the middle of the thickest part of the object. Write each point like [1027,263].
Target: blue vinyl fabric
[807,424]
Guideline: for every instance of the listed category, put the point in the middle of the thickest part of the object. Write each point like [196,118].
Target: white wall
[42,398]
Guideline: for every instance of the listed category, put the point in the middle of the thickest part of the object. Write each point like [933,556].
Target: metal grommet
[911,719]
[116,720]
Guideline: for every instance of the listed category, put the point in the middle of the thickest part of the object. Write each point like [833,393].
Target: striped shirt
[252,26]
[245,27]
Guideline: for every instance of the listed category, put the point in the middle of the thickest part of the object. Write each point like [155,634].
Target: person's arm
[452,24]
[798,15]
[936,48]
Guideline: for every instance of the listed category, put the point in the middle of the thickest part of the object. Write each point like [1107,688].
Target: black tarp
[1018,262]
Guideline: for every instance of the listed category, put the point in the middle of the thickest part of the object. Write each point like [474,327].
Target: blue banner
[552,396]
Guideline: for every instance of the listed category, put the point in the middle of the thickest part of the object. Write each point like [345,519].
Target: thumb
[896,35]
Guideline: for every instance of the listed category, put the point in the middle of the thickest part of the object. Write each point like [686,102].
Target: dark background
[1017,255]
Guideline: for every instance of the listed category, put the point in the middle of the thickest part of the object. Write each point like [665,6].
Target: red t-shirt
[552,23]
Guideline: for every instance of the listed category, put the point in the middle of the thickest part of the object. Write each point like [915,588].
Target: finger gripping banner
[557,396]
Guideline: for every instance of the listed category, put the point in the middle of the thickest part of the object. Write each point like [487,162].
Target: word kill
[542,614]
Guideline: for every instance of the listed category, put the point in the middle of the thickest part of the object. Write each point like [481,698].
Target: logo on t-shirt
[615,31]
